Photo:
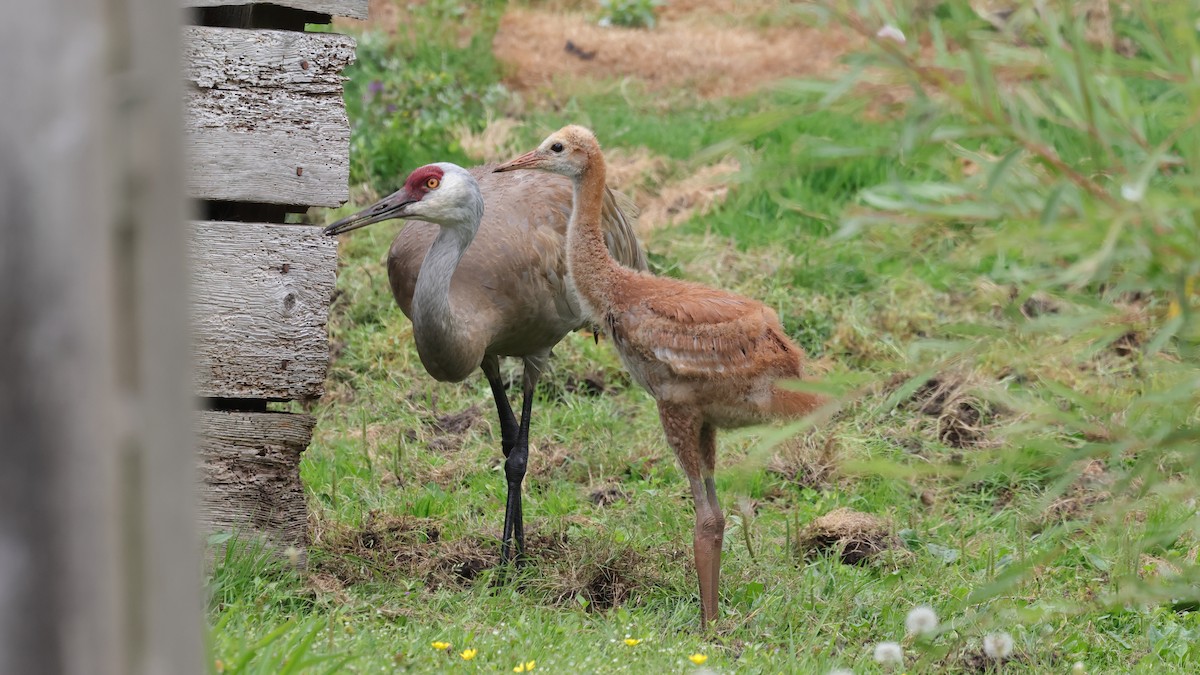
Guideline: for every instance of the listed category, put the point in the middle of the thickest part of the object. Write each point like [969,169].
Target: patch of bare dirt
[607,495]
[697,51]
[962,417]
[602,575]
[390,548]
[457,423]
[853,536]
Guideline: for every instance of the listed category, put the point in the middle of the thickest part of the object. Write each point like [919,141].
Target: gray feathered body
[511,287]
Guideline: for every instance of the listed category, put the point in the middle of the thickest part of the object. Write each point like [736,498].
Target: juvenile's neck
[591,266]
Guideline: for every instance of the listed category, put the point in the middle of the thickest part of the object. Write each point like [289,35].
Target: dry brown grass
[696,51]
[388,548]
[1089,491]
[853,536]
[694,195]
[951,402]
[635,171]
[809,460]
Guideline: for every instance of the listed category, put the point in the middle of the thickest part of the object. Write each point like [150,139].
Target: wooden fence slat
[250,469]
[354,9]
[260,303]
[266,120]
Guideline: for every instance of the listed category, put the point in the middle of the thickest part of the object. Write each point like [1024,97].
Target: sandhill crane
[711,359]
[485,276]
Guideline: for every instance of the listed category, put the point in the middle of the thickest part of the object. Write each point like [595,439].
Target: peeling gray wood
[250,474]
[266,122]
[355,9]
[260,303]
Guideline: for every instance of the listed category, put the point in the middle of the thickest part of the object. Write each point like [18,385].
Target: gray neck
[433,312]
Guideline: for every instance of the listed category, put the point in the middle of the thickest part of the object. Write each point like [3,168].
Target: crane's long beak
[529,160]
[392,206]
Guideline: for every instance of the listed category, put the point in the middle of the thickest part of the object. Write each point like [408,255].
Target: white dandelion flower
[1133,192]
[889,653]
[998,646]
[1078,668]
[921,621]
[890,32]
[841,671]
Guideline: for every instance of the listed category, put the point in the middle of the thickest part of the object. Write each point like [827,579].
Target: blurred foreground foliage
[1067,155]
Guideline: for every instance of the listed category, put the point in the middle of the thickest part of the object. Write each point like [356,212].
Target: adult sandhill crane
[711,359]
[482,273]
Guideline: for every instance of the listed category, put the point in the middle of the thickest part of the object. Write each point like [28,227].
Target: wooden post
[266,135]
[99,555]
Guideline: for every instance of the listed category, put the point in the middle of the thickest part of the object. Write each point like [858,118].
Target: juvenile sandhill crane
[711,359]
[485,276]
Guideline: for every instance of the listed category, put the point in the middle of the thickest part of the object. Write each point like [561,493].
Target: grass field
[1013,351]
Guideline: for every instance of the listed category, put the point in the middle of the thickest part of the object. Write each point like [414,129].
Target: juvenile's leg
[716,527]
[683,430]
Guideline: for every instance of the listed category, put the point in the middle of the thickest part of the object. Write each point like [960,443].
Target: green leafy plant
[409,97]
[1064,164]
[629,13]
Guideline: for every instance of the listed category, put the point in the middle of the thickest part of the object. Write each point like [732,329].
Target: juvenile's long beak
[391,206]
[528,160]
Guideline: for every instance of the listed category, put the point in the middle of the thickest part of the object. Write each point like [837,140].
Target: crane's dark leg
[508,421]
[513,538]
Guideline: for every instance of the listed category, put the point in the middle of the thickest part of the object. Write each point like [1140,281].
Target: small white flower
[1133,193]
[841,671]
[1078,669]
[998,646]
[890,32]
[921,621]
[889,653]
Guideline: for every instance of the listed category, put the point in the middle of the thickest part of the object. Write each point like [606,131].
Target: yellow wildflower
[468,654]
[525,667]
[441,646]
[632,642]
[698,659]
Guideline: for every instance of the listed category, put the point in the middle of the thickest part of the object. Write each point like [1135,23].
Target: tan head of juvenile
[568,151]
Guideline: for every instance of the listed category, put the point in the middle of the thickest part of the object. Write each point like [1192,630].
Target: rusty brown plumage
[490,279]
[710,358]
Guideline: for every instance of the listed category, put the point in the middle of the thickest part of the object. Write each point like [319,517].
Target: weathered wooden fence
[267,135]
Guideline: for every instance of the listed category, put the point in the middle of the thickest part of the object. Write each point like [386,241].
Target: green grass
[981,482]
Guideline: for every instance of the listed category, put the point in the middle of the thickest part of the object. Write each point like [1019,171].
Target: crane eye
[557,147]
[432,183]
